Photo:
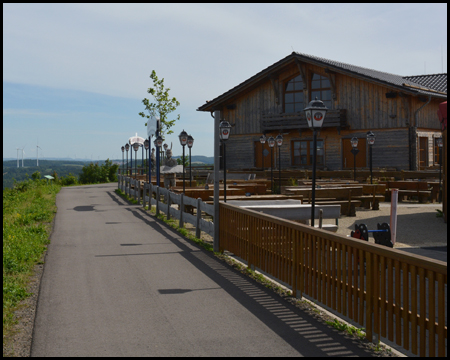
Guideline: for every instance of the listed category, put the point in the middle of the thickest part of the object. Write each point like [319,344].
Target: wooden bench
[293,210]
[260,197]
[408,189]
[335,196]
[230,176]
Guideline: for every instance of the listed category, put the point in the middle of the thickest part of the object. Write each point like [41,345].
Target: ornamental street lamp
[315,114]
[183,141]
[271,142]
[262,140]
[279,140]
[158,143]
[136,148]
[355,150]
[440,144]
[123,149]
[370,141]
[224,133]
[146,145]
[127,147]
[190,144]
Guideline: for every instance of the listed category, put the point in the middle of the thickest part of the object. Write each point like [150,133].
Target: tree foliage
[162,106]
[94,174]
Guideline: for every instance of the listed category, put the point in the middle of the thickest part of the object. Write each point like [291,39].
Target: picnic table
[293,210]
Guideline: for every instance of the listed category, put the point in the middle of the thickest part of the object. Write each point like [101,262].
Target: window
[437,153]
[320,88]
[293,95]
[302,153]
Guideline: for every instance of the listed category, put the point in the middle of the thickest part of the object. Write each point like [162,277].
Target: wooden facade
[403,119]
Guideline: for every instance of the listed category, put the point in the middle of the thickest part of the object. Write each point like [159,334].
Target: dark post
[313,195]
[184,186]
[224,173]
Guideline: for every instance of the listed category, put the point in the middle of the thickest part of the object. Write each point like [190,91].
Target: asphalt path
[118,282]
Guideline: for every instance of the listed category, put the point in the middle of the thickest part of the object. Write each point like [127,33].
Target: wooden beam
[332,77]
[302,72]
[275,89]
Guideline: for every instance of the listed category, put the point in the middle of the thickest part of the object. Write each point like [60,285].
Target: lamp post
[224,133]
[279,140]
[262,140]
[127,147]
[146,145]
[158,143]
[370,141]
[271,142]
[315,114]
[136,148]
[183,141]
[440,144]
[190,144]
[123,149]
[354,142]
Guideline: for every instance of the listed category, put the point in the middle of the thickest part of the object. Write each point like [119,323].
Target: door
[262,155]
[423,152]
[347,155]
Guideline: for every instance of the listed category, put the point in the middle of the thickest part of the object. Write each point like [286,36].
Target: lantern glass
[439,142]
[122,148]
[224,130]
[262,139]
[190,141]
[127,147]
[279,140]
[146,144]
[315,113]
[183,138]
[136,146]
[158,141]
[370,138]
[271,141]
[354,142]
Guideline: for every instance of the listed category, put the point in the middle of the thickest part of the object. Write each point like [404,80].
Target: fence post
[137,187]
[157,200]
[150,195]
[181,211]
[168,204]
[143,194]
[199,216]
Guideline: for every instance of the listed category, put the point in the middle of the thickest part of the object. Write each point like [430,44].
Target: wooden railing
[392,294]
[287,121]
[163,199]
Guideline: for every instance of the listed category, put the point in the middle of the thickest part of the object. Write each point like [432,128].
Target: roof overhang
[265,75]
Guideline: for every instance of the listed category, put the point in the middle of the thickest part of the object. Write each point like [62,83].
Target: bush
[68,180]
[94,174]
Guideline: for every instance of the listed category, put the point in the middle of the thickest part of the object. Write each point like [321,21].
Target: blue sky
[74,75]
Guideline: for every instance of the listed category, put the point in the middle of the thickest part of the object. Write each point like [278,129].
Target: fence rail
[394,295]
[163,199]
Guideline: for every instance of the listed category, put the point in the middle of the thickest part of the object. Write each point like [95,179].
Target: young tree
[162,106]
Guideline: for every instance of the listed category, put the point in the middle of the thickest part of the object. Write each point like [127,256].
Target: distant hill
[200,159]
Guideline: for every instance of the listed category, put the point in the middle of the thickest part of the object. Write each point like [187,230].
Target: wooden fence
[164,199]
[392,294]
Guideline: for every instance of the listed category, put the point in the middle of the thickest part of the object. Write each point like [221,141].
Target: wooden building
[400,111]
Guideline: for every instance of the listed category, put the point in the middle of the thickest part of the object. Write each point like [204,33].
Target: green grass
[28,212]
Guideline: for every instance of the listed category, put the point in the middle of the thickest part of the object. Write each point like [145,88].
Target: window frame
[295,91]
[309,154]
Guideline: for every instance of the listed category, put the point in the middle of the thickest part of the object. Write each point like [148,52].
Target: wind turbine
[37,153]
[22,154]
[17,156]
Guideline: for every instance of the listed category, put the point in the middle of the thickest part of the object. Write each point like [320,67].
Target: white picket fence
[164,199]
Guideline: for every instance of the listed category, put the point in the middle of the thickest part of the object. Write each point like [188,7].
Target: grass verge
[28,211]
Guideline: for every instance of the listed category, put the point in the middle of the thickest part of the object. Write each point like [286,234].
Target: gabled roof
[405,84]
[435,81]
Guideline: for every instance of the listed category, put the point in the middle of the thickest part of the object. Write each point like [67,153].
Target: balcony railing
[289,121]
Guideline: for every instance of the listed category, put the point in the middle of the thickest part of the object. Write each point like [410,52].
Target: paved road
[117,282]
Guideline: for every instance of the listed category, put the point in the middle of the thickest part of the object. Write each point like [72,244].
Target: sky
[74,75]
